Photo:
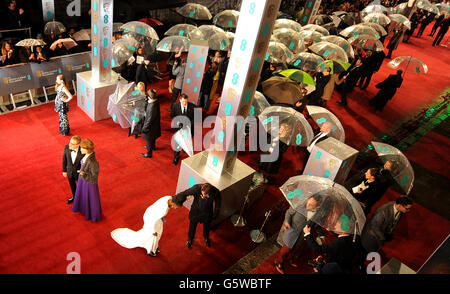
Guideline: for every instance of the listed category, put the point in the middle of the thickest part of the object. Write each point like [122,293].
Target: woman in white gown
[147,237]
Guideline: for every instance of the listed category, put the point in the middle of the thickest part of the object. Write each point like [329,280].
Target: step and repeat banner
[26,76]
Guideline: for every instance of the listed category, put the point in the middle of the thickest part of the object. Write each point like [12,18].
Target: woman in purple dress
[87,196]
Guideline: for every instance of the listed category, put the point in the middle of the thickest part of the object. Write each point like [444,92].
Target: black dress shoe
[152,254]
[70,200]
[146,155]
[188,244]
[175,161]
[208,242]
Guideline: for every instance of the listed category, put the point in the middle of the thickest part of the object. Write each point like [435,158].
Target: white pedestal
[92,97]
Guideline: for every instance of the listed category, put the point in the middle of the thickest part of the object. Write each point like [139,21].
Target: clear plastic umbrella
[379,18]
[443,7]
[30,42]
[279,51]
[219,41]
[321,19]
[316,28]
[184,139]
[140,28]
[297,130]
[126,106]
[377,27]
[374,9]
[82,35]
[287,23]
[290,38]
[307,61]
[54,27]
[400,19]
[209,30]
[230,36]
[259,103]
[122,50]
[173,44]
[116,26]
[424,4]
[366,42]
[404,173]
[68,43]
[282,90]
[359,29]
[314,36]
[339,211]
[185,30]
[321,115]
[195,11]
[329,51]
[342,19]
[226,19]
[341,42]
[410,63]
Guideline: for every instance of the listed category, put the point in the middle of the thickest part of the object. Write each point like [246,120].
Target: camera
[317,263]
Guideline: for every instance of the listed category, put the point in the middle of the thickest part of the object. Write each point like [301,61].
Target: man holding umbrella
[325,130]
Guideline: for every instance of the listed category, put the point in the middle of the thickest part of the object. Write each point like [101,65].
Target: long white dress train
[152,223]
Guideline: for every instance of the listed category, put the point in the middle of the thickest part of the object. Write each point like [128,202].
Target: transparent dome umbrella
[336,66]
[30,42]
[54,27]
[290,38]
[377,27]
[259,103]
[367,42]
[288,24]
[226,19]
[122,51]
[184,139]
[282,90]
[307,61]
[341,42]
[339,211]
[379,18]
[219,41]
[316,28]
[184,30]
[409,63]
[403,174]
[147,43]
[321,115]
[374,9]
[296,129]
[116,26]
[68,43]
[423,4]
[298,76]
[399,8]
[82,35]
[321,19]
[443,7]
[173,44]
[209,30]
[126,106]
[400,19]
[230,36]
[359,29]
[140,28]
[195,11]
[342,19]
[314,36]
[329,51]
[279,51]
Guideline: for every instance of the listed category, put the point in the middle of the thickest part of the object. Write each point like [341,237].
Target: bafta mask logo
[39,73]
[5,80]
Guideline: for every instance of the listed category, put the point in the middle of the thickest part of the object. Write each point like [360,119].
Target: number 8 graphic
[105,19]
[243,44]
[235,78]
[252,8]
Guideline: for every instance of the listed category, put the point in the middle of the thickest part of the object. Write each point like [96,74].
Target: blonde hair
[87,144]
[76,139]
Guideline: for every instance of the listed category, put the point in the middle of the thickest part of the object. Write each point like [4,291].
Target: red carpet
[39,229]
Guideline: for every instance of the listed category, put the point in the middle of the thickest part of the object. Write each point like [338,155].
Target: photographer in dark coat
[204,209]
[388,88]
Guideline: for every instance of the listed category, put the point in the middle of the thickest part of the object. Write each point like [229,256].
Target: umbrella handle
[407,65]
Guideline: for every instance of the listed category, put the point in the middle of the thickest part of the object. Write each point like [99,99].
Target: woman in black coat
[393,42]
[152,124]
[388,88]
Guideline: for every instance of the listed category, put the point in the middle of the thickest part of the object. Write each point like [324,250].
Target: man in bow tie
[182,114]
[72,163]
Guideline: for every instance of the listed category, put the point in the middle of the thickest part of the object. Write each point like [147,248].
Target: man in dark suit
[204,208]
[325,130]
[381,226]
[71,163]
[151,130]
[339,253]
[184,110]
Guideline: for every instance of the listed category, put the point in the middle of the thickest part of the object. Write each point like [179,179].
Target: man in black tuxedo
[204,208]
[71,163]
[151,130]
[325,130]
[381,226]
[184,110]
